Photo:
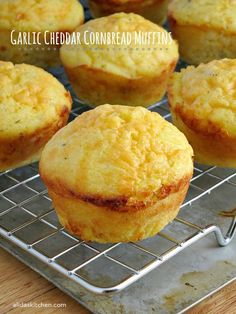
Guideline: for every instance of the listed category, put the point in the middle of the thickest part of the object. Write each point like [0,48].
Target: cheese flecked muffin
[131,73]
[203,106]
[153,10]
[33,106]
[19,19]
[117,173]
[205,30]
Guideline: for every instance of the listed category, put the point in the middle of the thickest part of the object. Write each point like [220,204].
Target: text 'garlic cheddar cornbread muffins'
[33,106]
[205,30]
[117,173]
[28,29]
[203,105]
[153,10]
[118,71]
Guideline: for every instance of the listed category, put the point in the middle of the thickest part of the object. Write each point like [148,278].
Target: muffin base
[209,149]
[104,225]
[97,87]
[25,149]
[155,10]
[202,44]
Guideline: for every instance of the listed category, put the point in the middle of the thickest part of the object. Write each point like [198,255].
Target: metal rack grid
[28,219]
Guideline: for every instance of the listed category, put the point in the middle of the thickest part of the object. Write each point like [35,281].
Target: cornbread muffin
[117,173]
[203,106]
[120,72]
[19,19]
[33,106]
[153,10]
[205,30]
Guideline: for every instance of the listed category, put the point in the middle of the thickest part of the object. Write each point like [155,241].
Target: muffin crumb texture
[117,173]
[125,61]
[29,98]
[33,106]
[208,96]
[203,106]
[117,152]
[205,30]
[131,74]
[25,27]
[220,14]
[40,15]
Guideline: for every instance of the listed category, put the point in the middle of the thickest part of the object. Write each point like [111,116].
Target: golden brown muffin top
[205,96]
[219,14]
[30,98]
[116,155]
[122,59]
[40,15]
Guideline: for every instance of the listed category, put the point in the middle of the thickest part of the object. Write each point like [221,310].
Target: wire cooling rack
[28,219]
